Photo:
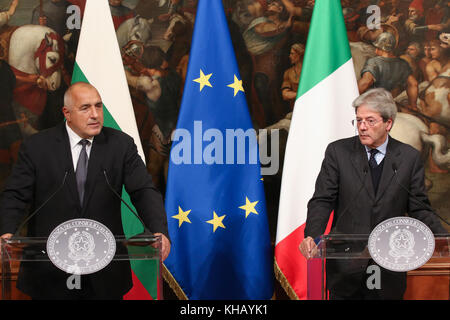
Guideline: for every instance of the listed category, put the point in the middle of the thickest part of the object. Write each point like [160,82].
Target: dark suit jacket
[344,185]
[39,171]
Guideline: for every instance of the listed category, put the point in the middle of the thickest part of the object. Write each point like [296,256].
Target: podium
[430,281]
[142,252]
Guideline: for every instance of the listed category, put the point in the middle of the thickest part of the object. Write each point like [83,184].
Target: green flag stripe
[324,52]
[132,226]
[144,270]
[78,76]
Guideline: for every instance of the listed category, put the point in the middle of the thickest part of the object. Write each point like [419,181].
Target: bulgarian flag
[322,113]
[98,62]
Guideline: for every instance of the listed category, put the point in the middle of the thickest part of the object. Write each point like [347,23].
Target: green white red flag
[322,114]
[98,62]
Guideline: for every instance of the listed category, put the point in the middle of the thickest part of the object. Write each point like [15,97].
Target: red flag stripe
[291,262]
[138,291]
[293,265]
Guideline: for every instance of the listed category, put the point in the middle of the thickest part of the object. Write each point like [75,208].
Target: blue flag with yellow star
[215,199]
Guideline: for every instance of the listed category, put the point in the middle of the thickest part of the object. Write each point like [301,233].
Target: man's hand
[308,247]
[165,246]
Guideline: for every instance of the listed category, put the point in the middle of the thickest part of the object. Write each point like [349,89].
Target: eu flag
[215,199]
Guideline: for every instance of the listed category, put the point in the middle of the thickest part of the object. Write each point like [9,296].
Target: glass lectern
[143,253]
[354,247]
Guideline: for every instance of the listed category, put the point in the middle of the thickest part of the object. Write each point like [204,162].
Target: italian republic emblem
[81,246]
[401,244]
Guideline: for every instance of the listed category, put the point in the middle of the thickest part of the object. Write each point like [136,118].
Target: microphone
[41,206]
[365,171]
[423,204]
[146,231]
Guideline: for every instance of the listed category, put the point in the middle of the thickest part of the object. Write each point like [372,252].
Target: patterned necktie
[81,171]
[372,162]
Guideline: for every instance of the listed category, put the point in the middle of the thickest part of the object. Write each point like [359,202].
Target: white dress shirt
[75,146]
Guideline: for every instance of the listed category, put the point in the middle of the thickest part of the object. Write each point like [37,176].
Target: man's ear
[390,124]
[66,112]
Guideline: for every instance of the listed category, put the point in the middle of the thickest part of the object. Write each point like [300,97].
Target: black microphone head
[366,169]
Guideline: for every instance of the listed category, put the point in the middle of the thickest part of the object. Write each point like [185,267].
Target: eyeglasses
[368,122]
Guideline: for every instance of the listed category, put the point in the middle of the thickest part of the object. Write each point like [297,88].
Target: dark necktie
[372,162]
[81,171]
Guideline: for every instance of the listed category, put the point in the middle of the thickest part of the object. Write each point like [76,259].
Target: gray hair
[68,102]
[379,100]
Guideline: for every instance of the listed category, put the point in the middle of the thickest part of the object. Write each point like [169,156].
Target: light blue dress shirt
[381,151]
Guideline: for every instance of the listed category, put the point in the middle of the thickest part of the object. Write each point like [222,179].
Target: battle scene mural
[407,53]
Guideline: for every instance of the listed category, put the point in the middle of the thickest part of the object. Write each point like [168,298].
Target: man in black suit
[357,182]
[54,159]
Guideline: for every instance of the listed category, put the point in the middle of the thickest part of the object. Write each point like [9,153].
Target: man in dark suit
[75,156]
[357,182]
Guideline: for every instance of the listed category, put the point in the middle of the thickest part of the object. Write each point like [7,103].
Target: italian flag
[99,62]
[322,113]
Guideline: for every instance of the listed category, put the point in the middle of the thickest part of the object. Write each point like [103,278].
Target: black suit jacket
[43,161]
[344,185]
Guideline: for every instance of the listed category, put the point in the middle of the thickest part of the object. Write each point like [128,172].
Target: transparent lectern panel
[353,249]
[33,251]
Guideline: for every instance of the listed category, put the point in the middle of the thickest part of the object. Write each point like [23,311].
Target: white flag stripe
[98,58]
[327,106]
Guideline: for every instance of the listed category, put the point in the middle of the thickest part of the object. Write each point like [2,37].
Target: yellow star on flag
[249,207]
[216,221]
[236,85]
[182,216]
[203,80]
